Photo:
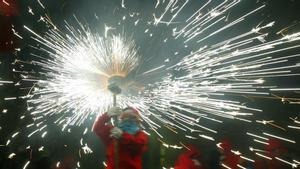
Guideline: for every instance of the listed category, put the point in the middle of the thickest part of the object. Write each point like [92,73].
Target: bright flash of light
[76,75]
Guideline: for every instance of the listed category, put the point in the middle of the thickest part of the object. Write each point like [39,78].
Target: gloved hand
[114,111]
[196,162]
[116,132]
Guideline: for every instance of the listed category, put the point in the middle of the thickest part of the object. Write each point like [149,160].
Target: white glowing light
[26,165]
[57,164]
[248,159]
[12,155]
[77,75]
[241,166]
[87,149]
[41,148]
[266,157]
[278,137]
[39,1]
[293,165]
[6,3]
[254,135]
[30,11]
[44,134]
[294,127]
[15,134]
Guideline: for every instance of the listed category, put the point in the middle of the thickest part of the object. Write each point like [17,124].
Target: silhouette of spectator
[190,159]
[273,149]
[228,158]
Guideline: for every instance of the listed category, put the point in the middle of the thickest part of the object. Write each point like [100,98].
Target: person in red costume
[272,149]
[228,158]
[67,163]
[9,8]
[125,142]
[190,159]
[9,12]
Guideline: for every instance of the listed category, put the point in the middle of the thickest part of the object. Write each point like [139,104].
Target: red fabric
[67,163]
[9,9]
[229,159]
[259,164]
[226,145]
[130,147]
[185,160]
[132,112]
[268,164]
[273,149]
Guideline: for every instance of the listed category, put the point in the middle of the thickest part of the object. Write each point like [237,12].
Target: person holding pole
[125,142]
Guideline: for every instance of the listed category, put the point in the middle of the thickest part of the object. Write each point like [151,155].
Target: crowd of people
[126,143]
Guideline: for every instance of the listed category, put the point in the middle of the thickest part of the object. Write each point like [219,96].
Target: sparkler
[76,64]
[79,75]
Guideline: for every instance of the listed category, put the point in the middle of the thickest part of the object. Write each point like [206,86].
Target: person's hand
[116,132]
[196,162]
[114,111]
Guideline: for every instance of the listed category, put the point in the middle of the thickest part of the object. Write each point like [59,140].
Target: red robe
[8,13]
[185,160]
[10,8]
[130,147]
[229,158]
[273,149]
[268,164]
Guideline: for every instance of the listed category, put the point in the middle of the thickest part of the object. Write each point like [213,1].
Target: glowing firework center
[77,75]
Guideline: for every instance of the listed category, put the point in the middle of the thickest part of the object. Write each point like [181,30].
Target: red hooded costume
[273,149]
[229,159]
[185,160]
[130,147]
[9,9]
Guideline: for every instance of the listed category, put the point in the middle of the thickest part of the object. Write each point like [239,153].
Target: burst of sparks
[79,75]
[74,70]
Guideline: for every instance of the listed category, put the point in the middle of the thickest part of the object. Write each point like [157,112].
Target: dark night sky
[284,12]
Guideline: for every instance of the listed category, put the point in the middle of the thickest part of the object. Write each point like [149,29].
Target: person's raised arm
[101,129]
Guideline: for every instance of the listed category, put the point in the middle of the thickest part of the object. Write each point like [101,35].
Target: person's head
[225,146]
[130,114]
[274,148]
[192,152]
[129,120]
[68,162]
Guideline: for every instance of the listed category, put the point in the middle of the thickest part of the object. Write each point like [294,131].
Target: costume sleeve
[101,129]
[137,143]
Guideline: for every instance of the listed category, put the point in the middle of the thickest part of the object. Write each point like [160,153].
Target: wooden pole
[116,146]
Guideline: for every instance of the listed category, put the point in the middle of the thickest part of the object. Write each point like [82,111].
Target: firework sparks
[79,73]
[26,164]
[73,72]
[6,3]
